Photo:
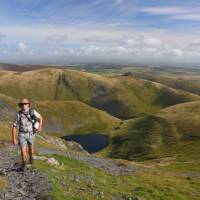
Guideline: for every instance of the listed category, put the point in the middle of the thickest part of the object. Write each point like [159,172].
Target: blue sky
[66,31]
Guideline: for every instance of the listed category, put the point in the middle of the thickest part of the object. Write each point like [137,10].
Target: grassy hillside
[80,181]
[23,68]
[186,82]
[34,84]
[123,97]
[62,117]
[173,131]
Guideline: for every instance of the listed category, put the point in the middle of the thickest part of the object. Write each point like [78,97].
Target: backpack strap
[26,117]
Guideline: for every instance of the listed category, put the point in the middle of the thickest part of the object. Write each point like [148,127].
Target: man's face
[24,106]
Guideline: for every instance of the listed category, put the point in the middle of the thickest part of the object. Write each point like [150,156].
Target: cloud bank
[66,44]
[99,31]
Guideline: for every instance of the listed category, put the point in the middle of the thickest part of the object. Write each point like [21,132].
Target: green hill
[122,97]
[173,131]
[189,83]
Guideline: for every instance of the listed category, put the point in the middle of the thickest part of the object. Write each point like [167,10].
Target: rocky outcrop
[61,143]
[75,146]
[52,161]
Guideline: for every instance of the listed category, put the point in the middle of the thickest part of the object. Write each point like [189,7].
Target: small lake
[90,142]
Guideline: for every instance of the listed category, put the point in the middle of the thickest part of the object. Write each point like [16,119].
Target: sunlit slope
[33,84]
[121,96]
[62,117]
[174,131]
[189,83]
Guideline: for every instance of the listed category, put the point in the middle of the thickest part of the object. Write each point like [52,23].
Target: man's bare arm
[40,124]
[14,134]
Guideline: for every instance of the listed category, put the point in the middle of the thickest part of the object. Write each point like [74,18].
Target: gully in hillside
[29,123]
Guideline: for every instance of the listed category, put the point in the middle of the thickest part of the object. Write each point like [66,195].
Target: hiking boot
[24,167]
[32,161]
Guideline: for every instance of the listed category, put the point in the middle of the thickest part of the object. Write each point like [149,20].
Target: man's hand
[40,126]
[15,142]
[39,129]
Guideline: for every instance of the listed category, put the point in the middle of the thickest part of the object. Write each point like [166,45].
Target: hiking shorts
[26,138]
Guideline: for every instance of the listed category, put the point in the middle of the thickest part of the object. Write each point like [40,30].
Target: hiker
[29,122]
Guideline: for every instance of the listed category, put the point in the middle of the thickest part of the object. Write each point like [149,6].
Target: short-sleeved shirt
[24,124]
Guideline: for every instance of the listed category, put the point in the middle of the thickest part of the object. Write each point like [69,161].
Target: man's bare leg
[31,153]
[23,155]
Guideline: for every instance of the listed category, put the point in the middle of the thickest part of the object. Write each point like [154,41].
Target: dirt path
[31,185]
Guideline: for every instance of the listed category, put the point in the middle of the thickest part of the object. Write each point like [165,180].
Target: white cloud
[120,50]
[152,41]
[22,46]
[165,10]
[177,52]
[102,43]
[192,17]
[175,12]
[131,42]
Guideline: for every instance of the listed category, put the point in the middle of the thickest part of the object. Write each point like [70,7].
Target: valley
[145,121]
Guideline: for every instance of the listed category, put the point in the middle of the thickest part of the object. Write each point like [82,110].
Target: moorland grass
[76,180]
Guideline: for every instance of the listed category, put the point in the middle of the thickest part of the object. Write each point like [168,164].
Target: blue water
[90,142]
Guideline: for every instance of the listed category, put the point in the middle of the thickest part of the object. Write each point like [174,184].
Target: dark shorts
[26,138]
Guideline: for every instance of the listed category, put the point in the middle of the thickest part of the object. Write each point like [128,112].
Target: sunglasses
[21,104]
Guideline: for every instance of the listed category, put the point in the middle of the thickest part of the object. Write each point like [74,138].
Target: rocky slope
[30,185]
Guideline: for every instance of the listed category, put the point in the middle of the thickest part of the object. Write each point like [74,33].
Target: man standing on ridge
[29,122]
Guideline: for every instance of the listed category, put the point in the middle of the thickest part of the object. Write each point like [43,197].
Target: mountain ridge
[120,96]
